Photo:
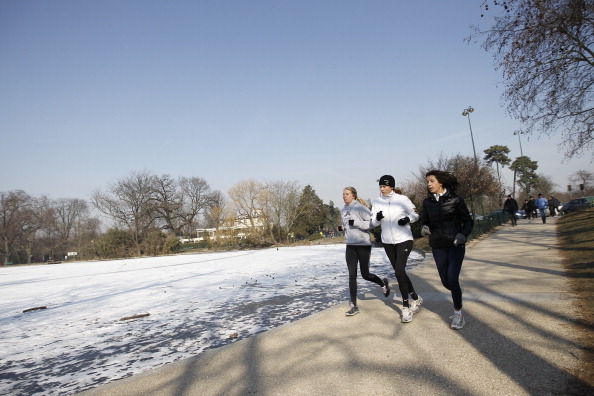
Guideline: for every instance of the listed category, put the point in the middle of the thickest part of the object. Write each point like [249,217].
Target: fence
[483,224]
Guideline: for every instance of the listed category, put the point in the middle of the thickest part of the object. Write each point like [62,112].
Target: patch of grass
[576,243]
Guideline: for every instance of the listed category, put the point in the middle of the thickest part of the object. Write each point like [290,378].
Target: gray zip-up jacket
[357,234]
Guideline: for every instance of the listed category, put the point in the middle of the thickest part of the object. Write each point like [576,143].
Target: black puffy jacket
[446,218]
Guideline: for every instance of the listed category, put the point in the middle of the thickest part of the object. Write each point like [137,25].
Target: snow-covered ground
[194,303]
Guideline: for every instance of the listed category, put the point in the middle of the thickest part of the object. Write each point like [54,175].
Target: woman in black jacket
[447,222]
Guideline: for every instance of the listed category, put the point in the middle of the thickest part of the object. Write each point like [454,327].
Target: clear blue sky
[329,93]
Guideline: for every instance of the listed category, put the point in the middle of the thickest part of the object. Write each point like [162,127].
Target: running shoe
[415,305]
[407,315]
[353,311]
[457,321]
[386,288]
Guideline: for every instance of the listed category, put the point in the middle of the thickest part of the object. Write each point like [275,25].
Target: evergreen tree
[313,214]
[498,155]
[525,168]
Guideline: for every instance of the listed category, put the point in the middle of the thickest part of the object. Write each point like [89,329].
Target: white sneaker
[407,315]
[415,305]
[457,321]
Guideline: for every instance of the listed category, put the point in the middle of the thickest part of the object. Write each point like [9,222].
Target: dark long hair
[448,180]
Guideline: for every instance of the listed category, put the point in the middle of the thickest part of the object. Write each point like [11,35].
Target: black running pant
[449,264]
[398,256]
[360,254]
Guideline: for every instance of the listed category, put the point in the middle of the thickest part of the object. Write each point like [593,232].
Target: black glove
[340,228]
[404,221]
[351,222]
[460,239]
[380,215]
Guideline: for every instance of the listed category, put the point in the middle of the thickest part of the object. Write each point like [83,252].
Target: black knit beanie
[387,180]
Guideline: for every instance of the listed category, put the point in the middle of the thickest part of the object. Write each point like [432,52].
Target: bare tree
[19,222]
[544,49]
[196,198]
[168,201]
[476,179]
[84,232]
[217,210]
[544,185]
[61,218]
[130,202]
[247,196]
[584,180]
[280,206]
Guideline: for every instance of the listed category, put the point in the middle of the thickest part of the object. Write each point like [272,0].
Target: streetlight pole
[519,140]
[466,113]
[519,132]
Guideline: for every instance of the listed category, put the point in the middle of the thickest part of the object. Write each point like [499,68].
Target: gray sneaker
[407,315]
[353,311]
[415,305]
[457,321]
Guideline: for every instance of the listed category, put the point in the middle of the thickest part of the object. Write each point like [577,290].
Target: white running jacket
[394,207]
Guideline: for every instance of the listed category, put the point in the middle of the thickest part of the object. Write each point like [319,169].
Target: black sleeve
[424,214]
[465,218]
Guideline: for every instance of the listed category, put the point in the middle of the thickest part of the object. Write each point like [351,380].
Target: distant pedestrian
[542,204]
[447,222]
[532,207]
[394,212]
[526,209]
[511,206]
[356,223]
[553,205]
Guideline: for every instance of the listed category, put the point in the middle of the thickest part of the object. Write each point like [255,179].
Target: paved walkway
[517,306]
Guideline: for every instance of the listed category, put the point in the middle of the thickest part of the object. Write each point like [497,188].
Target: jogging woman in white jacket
[356,222]
[394,212]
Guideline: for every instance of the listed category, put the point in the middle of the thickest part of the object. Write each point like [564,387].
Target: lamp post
[519,140]
[466,113]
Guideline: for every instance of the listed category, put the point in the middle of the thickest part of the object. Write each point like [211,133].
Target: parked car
[477,216]
[576,204]
[520,214]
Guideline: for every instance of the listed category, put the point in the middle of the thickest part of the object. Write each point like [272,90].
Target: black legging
[512,216]
[449,265]
[360,254]
[398,256]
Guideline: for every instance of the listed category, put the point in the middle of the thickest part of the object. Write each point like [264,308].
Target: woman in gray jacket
[356,222]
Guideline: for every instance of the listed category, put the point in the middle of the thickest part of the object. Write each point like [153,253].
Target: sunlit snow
[194,303]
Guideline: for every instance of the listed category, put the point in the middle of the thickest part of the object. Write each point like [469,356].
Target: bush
[113,244]
[153,242]
[315,237]
[172,244]
[254,242]
[204,244]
